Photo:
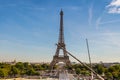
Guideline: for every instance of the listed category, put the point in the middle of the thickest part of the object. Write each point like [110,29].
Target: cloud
[108,40]
[112,21]
[114,7]
[98,22]
[115,3]
[112,38]
[99,19]
[90,13]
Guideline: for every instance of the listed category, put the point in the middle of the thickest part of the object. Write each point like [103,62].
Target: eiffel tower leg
[52,64]
[54,61]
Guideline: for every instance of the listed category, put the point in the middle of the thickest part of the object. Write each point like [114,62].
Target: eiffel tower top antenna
[61,34]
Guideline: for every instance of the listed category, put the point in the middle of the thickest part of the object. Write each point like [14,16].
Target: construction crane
[89,58]
[101,78]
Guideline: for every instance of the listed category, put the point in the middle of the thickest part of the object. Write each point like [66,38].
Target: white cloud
[108,40]
[108,22]
[90,13]
[114,7]
[98,22]
[115,3]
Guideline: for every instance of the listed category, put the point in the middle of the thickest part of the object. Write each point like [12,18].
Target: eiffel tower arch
[61,46]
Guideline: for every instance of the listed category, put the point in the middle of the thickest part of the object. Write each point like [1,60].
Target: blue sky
[29,29]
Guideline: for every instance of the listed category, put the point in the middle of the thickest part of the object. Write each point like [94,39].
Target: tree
[26,65]
[31,71]
[77,71]
[99,69]
[85,73]
[3,73]
[109,75]
[45,66]
[14,71]
[115,75]
[21,67]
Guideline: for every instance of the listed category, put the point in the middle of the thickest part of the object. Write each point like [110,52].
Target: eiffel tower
[61,46]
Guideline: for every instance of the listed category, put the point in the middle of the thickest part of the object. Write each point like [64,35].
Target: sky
[29,29]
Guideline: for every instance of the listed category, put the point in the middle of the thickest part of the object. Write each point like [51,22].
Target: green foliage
[77,70]
[109,75]
[114,72]
[99,68]
[45,66]
[14,71]
[3,73]
[30,71]
[19,69]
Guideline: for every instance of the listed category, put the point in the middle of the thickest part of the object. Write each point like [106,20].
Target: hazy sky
[29,29]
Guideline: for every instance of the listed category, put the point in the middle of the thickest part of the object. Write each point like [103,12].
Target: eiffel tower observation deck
[61,45]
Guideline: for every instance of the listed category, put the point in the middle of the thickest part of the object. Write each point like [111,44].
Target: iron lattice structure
[57,57]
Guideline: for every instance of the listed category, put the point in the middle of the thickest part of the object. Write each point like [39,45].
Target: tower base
[57,59]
